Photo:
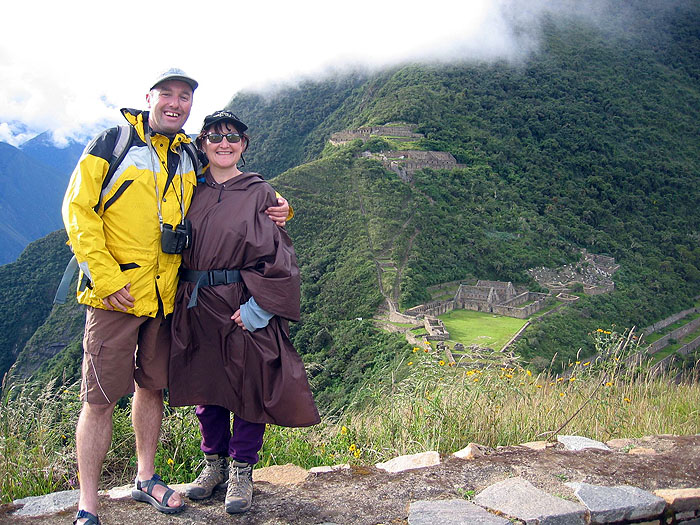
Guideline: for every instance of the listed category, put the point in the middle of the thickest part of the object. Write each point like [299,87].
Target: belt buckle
[215,278]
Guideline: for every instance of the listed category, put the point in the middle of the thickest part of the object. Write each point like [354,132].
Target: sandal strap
[148,486]
[92,519]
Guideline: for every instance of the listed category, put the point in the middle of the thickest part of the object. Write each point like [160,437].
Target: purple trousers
[215,426]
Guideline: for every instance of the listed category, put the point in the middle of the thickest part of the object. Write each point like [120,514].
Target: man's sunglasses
[215,138]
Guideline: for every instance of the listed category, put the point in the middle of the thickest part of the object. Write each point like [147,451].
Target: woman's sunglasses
[215,138]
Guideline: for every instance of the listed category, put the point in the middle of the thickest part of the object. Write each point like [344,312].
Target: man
[121,235]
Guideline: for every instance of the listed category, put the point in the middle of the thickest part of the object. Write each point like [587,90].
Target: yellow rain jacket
[119,242]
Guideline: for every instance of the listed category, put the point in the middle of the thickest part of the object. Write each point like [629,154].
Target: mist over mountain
[590,144]
[61,158]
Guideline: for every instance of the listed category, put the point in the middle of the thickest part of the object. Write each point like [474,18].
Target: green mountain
[589,143]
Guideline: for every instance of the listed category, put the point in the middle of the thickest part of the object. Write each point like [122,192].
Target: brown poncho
[256,375]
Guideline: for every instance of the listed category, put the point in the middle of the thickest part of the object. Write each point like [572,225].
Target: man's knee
[97,411]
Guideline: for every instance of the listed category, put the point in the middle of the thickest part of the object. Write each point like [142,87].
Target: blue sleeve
[253,316]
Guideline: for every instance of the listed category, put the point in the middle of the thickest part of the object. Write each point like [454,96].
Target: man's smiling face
[169,103]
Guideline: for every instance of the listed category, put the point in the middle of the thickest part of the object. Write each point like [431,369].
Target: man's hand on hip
[279,213]
[120,300]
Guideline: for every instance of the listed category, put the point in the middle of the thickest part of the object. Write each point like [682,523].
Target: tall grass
[423,403]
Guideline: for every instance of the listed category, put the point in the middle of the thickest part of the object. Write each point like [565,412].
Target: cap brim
[187,80]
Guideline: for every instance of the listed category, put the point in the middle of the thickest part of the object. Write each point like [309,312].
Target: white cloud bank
[68,67]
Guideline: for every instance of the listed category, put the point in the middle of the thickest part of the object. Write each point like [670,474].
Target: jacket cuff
[253,316]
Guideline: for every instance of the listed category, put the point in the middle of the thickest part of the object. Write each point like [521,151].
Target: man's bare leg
[93,436]
[146,416]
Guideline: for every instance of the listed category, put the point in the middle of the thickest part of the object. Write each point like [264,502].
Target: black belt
[208,278]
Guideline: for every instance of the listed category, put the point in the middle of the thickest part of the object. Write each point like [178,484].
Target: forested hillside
[592,142]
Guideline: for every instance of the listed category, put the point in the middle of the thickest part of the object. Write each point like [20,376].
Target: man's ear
[148,100]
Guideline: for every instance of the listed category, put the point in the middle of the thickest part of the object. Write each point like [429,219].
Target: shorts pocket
[92,344]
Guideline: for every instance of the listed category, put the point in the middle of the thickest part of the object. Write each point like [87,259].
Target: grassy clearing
[479,328]
[421,404]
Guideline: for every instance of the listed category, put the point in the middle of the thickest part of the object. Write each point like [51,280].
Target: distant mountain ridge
[33,179]
[42,148]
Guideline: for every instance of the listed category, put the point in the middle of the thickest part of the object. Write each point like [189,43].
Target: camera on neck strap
[174,240]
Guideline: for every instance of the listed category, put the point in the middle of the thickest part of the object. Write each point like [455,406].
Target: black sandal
[91,518]
[144,492]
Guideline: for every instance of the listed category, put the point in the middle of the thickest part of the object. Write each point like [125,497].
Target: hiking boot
[214,474]
[239,495]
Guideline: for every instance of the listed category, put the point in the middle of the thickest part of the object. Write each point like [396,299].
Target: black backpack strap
[192,152]
[125,134]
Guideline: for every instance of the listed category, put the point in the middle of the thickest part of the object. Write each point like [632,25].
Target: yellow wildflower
[343,430]
[171,461]
[441,363]
[539,386]
[561,394]
[608,383]
[352,448]
[410,363]
[356,453]
[572,378]
[586,363]
[528,373]
[628,400]
[476,379]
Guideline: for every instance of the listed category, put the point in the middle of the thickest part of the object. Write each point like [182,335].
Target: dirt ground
[368,496]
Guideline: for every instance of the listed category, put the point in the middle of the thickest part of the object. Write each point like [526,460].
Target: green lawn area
[483,329]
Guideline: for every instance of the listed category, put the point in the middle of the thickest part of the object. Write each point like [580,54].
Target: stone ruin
[499,297]
[496,297]
[436,329]
[593,273]
[403,162]
[399,131]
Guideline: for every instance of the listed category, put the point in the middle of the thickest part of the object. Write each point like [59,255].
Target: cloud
[70,70]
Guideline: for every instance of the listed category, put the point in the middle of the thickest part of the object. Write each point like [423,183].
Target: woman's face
[225,154]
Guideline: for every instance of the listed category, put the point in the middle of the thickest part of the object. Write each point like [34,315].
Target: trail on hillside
[382,259]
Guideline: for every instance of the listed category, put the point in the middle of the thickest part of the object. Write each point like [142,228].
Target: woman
[239,286]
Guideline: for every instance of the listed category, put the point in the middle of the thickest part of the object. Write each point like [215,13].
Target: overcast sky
[69,66]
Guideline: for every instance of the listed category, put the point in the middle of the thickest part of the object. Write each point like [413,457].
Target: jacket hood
[238,183]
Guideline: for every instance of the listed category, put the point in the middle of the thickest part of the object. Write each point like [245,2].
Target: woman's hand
[236,318]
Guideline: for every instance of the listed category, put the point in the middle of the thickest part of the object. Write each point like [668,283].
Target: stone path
[476,485]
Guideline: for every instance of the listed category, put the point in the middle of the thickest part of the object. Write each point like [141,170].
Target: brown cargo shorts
[120,349]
